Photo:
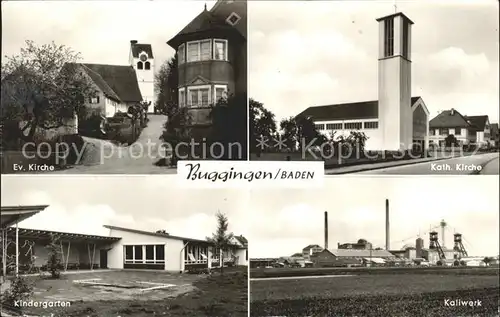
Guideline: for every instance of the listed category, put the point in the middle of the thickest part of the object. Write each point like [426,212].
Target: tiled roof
[101,83]
[241,239]
[215,19]
[122,80]
[449,119]
[137,48]
[479,122]
[346,111]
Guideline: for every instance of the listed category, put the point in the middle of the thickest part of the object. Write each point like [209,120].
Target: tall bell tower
[394,82]
[142,59]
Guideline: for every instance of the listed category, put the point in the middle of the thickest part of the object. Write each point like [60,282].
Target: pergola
[64,238]
[12,215]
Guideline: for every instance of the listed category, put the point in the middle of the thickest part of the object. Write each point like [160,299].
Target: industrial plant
[363,253]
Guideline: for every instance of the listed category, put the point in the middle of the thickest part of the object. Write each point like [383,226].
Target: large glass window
[144,254]
[202,50]
[199,96]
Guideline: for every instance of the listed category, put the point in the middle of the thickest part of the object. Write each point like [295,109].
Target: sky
[83,204]
[100,30]
[294,218]
[315,53]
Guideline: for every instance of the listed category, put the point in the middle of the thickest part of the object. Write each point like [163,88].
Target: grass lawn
[188,295]
[375,295]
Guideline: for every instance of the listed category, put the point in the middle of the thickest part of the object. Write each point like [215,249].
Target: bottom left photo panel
[122,246]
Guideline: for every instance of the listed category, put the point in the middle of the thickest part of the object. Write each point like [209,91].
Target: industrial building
[122,248]
[397,120]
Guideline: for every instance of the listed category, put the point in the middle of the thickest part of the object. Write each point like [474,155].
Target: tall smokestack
[387,230]
[326,230]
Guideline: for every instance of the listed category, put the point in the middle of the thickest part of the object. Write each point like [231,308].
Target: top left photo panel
[132,87]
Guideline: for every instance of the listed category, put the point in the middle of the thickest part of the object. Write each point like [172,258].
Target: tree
[221,239]
[176,130]
[450,140]
[262,124]
[54,257]
[290,133]
[166,83]
[43,88]
[229,126]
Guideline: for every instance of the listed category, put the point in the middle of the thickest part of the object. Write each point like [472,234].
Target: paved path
[471,164]
[104,157]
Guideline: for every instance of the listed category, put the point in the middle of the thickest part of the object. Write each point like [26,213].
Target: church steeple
[394,81]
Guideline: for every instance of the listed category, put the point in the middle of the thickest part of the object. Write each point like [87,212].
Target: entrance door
[103,256]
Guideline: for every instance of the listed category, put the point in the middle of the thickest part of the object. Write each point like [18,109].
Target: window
[199,50]
[181,54]
[150,252]
[233,18]
[160,252]
[94,100]
[389,37]
[182,97]
[220,92]
[220,50]
[206,50]
[138,252]
[199,96]
[147,66]
[139,65]
[153,254]
[129,252]
[371,125]
[334,126]
[193,52]
[458,131]
[353,126]
[443,131]
[406,42]
[319,127]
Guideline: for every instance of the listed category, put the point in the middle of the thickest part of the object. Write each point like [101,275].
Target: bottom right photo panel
[408,246]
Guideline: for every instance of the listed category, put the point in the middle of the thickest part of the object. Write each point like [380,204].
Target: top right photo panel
[392,88]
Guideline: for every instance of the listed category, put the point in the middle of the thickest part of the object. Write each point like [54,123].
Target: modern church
[396,121]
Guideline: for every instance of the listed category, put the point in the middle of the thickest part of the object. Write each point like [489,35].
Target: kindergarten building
[122,248]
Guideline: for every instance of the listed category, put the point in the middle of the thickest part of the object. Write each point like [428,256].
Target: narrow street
[104,157]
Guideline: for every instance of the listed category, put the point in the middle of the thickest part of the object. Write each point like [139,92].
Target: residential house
[468,130]
[116,88]
[211,52]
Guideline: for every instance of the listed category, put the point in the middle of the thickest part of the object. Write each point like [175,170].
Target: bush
[20,290]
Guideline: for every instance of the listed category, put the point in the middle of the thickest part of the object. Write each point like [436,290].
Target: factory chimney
[326,230]
[387,230]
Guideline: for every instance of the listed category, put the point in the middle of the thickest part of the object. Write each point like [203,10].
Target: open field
[130,293]
[406,294]
[287,272]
